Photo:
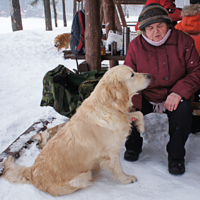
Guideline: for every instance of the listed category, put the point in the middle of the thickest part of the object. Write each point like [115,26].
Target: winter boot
[133,145]
[176,166]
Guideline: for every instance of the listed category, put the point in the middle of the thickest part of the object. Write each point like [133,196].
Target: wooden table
[69,55]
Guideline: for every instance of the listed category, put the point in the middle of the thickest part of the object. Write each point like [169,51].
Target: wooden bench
[196,108]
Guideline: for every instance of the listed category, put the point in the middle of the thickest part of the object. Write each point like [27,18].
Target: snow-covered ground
[25,57]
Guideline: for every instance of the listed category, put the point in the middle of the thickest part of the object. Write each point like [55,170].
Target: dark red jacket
[174,67]
[174,13]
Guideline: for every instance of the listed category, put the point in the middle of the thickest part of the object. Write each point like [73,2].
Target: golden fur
[46,135]
[62,41]
[90,140]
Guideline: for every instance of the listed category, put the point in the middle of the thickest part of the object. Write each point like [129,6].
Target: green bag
[65,91]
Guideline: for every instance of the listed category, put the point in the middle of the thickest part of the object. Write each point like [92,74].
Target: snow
[25,57]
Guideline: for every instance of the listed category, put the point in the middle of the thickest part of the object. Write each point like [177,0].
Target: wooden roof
[133,1]
[128,1]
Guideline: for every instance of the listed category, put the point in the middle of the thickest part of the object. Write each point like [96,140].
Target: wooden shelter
[109,11]
[94,12]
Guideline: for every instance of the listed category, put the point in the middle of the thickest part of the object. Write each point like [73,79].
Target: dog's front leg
[113,163]
[140,120]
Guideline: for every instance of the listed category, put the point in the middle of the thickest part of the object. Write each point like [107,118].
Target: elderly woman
[171,58]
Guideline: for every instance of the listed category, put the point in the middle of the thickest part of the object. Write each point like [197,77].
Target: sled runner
[24,141]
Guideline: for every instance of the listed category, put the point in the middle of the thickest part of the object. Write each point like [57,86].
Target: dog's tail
[15,173]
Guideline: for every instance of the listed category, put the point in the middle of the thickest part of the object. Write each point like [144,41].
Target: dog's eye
[132,75]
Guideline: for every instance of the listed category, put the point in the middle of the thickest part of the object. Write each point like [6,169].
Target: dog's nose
[148,75]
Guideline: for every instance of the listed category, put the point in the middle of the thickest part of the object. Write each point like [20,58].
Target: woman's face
[156,31]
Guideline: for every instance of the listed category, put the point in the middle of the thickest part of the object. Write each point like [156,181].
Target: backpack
[77,42]
[65,90]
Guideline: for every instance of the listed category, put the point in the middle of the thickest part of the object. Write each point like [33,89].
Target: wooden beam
[133,1]
[92,34]
[117,22]
[119,7]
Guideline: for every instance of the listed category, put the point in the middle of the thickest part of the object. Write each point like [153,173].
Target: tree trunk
[55,13]
[74,10]
[81,5]
[64,14]
[15,15]
[93,34]
[47,12]
[109,18]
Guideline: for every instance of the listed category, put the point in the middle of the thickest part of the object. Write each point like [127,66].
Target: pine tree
[15,13]
[47,13]
[64,14]
[55,13]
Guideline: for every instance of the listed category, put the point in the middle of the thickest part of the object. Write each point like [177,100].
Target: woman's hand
[172,101]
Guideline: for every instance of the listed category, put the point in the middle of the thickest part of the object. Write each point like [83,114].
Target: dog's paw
[141,128]
[130,179]
[37,137]
[11,159]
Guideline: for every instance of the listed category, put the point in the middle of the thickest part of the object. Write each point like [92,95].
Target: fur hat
[153,13]
[194,1]
[191,10]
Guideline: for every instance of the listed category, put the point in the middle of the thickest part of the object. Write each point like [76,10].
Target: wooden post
[92,34]
[101,12]
[109,17]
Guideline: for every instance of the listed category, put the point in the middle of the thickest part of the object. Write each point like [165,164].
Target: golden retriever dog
[90,140]
[62,41]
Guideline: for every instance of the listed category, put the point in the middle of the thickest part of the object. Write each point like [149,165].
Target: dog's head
[56,42]
[120,83]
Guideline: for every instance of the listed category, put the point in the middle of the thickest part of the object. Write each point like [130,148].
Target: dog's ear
[61,39]
[117,90]
[120,91]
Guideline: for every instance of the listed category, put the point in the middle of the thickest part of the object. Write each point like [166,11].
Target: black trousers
[180,121]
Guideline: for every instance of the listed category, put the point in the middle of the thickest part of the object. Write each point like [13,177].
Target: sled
[24,141]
